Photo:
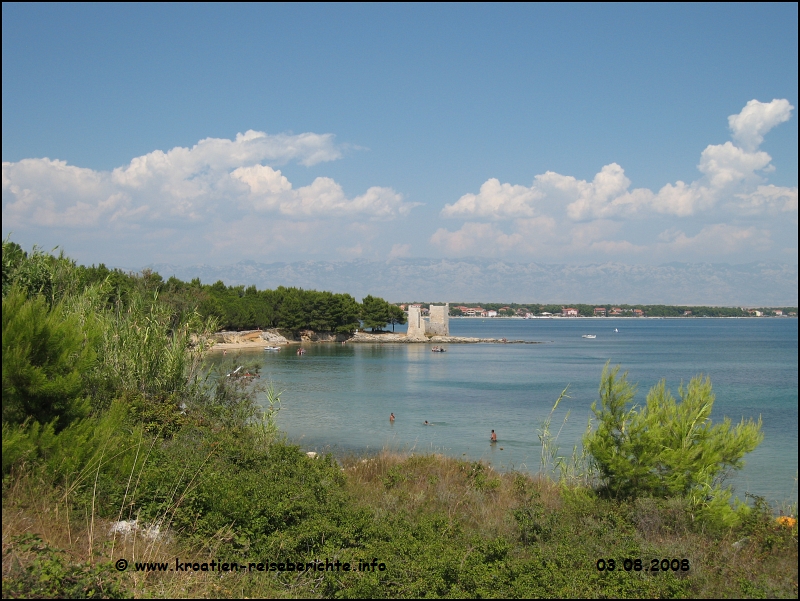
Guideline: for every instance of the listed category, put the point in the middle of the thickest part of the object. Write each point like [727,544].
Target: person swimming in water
[494,436]
[426,423]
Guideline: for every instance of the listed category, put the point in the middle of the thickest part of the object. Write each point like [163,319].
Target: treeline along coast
[295,309]
[130,460]
[246,308]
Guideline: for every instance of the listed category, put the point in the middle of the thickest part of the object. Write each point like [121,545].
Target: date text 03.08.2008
[640,565]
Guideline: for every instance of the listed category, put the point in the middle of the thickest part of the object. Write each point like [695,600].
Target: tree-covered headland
[230,307]
[124,452]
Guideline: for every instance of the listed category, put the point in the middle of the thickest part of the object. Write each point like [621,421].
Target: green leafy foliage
[146,350]
[45,353]
[36,273]
[292,309]
[397,316]
[375,312]
[665,448]
[51,575]
[267,499]
[102,446]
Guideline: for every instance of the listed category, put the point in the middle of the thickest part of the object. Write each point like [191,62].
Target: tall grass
[147,352]
[549,442]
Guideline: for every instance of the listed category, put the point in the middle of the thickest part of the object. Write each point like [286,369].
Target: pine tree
[666,448]
[44,355]
[374,312]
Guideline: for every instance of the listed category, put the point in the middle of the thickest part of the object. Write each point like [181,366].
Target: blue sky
[188,134]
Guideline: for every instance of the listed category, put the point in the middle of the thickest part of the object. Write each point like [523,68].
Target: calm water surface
[338,397]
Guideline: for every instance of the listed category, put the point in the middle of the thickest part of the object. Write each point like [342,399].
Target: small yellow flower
[787,521]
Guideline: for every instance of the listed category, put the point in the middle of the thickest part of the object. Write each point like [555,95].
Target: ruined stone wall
[439,324]
[416,326]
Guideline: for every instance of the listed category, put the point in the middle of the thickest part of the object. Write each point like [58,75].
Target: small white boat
[589,336]
[272,348]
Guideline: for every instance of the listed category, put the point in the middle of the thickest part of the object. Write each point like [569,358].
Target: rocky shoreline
[259,338]
[361,337]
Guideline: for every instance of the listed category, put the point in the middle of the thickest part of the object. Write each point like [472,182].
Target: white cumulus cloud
[214,178]
[271,191]
[495,201]
[729,171]
[756,119]
[726,164]
[774,199]
[560,216]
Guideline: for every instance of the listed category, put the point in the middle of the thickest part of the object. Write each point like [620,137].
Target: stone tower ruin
[416,325]
[437,325]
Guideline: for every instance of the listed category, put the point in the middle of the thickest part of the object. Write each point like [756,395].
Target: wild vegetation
[120,444]
[246,308]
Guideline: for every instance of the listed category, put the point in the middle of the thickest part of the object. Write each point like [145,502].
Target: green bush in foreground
[666,448]
[45,353]
[50,575]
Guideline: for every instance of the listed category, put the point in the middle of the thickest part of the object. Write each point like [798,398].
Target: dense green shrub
[666,448]
[375,312]
[263,500]
[45,353]
[37,273]
[51,575]
[102,447]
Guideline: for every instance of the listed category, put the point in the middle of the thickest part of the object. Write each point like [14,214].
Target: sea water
[338,397]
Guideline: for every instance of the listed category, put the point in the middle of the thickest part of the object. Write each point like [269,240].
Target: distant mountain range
[484,280]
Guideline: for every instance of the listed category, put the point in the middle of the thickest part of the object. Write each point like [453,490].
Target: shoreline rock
[248,339]
[386,337]
[252,339]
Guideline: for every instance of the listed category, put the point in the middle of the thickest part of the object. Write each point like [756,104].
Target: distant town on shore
[533,311]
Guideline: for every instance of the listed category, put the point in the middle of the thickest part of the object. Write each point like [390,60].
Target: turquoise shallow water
[338,397]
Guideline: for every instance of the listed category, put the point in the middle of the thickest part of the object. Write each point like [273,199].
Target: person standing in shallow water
[391,417]
[494,436]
